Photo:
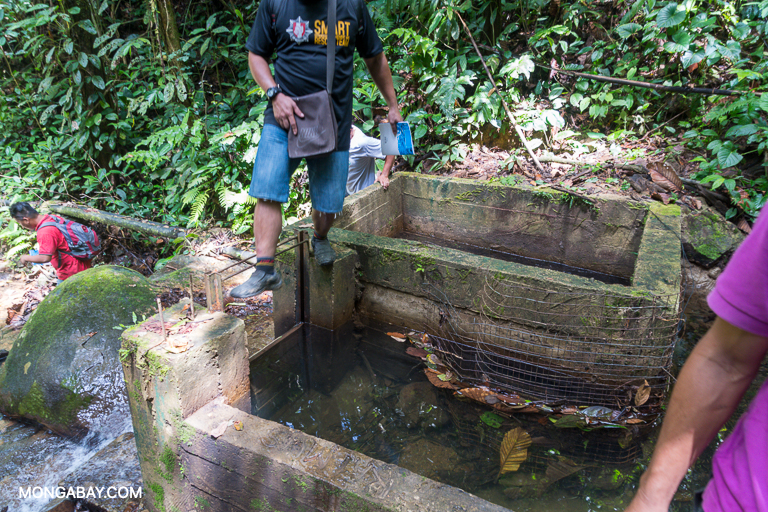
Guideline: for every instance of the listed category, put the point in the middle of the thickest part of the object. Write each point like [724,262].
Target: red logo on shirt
[299,30]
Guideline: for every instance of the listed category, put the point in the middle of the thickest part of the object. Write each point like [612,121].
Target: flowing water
[33,456]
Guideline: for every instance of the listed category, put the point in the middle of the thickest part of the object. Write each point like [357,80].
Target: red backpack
[82,241]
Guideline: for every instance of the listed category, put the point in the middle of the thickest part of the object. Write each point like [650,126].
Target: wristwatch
[272,91]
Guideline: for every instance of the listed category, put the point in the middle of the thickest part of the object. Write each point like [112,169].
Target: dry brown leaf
[665,176]
[417,352]
[477,394]
[219,431]
[510,399]
[398,336]
[659,196]
[643,394]
[514,450]
[744,226]
[435,381]
[519,408]
[634,421]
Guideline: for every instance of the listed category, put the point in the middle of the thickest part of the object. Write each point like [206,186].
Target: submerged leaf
[557,470]
[514,450]
[492,420]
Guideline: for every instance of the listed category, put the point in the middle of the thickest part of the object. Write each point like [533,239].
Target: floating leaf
[492,420]
[492,399]
[477,394]
[432,358]
[514,450]
[397,336]
[634,421]
[643,394]
[435,381]
[570,421]
[417,352]
[401,340]
[425,338]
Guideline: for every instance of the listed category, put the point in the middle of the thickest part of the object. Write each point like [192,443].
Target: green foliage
[99,107]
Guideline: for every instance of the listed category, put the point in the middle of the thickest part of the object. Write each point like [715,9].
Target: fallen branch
[648,85]
[512,120]
[113,219]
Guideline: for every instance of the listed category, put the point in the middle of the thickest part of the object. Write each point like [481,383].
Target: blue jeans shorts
[272,171]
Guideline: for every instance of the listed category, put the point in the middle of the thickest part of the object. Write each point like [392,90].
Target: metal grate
[577,348]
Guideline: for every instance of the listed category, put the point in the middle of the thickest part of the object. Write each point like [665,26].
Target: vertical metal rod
[191,298]
[302,302]
[208,298]
[162,321]
[218,292]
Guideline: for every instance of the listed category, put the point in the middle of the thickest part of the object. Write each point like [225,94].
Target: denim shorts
[272,171]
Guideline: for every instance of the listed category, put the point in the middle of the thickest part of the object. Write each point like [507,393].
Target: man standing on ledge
[296,30]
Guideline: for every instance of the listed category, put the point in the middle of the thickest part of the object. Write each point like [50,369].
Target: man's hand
[285,109]
[383,180]
[394,117]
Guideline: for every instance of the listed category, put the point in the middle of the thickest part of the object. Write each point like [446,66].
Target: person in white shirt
[363,152]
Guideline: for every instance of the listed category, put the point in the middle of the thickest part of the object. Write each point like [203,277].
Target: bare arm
[283,106]
[383,176]
[711,383]
[382,77]
[39,258]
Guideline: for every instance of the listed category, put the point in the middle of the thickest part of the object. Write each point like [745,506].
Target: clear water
[362,391]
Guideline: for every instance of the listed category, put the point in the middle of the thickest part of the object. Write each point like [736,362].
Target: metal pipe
[162,321]
[254,256]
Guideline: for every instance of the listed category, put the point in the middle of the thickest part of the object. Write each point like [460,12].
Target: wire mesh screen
[560,347]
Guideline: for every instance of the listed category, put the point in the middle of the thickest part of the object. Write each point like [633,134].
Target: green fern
[198,206]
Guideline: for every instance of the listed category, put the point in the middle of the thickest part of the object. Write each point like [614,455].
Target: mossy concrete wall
[179,400]
[374,210]
[270,467]
[541,223]
[165,388]
[331,291]
[532,311]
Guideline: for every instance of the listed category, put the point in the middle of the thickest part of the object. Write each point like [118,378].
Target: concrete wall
[199,452]
[554,319]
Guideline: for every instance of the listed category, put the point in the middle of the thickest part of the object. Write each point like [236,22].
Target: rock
[419,405]
[64,370]
[707,236]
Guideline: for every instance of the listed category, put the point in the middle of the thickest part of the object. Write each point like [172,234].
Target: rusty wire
[560,347]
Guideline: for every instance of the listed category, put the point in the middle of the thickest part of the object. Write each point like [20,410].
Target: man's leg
[272,171]
[267,225]
[327,187]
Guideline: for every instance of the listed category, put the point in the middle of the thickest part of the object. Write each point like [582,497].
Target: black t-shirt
[296,31]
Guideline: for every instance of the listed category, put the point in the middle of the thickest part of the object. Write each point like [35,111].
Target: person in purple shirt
[710,386]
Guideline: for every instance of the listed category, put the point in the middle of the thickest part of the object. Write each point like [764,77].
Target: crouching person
[69,246]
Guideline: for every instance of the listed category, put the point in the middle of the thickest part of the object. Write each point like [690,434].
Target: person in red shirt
[50,241]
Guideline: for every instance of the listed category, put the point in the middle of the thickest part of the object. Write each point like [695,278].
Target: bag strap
[330,43]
